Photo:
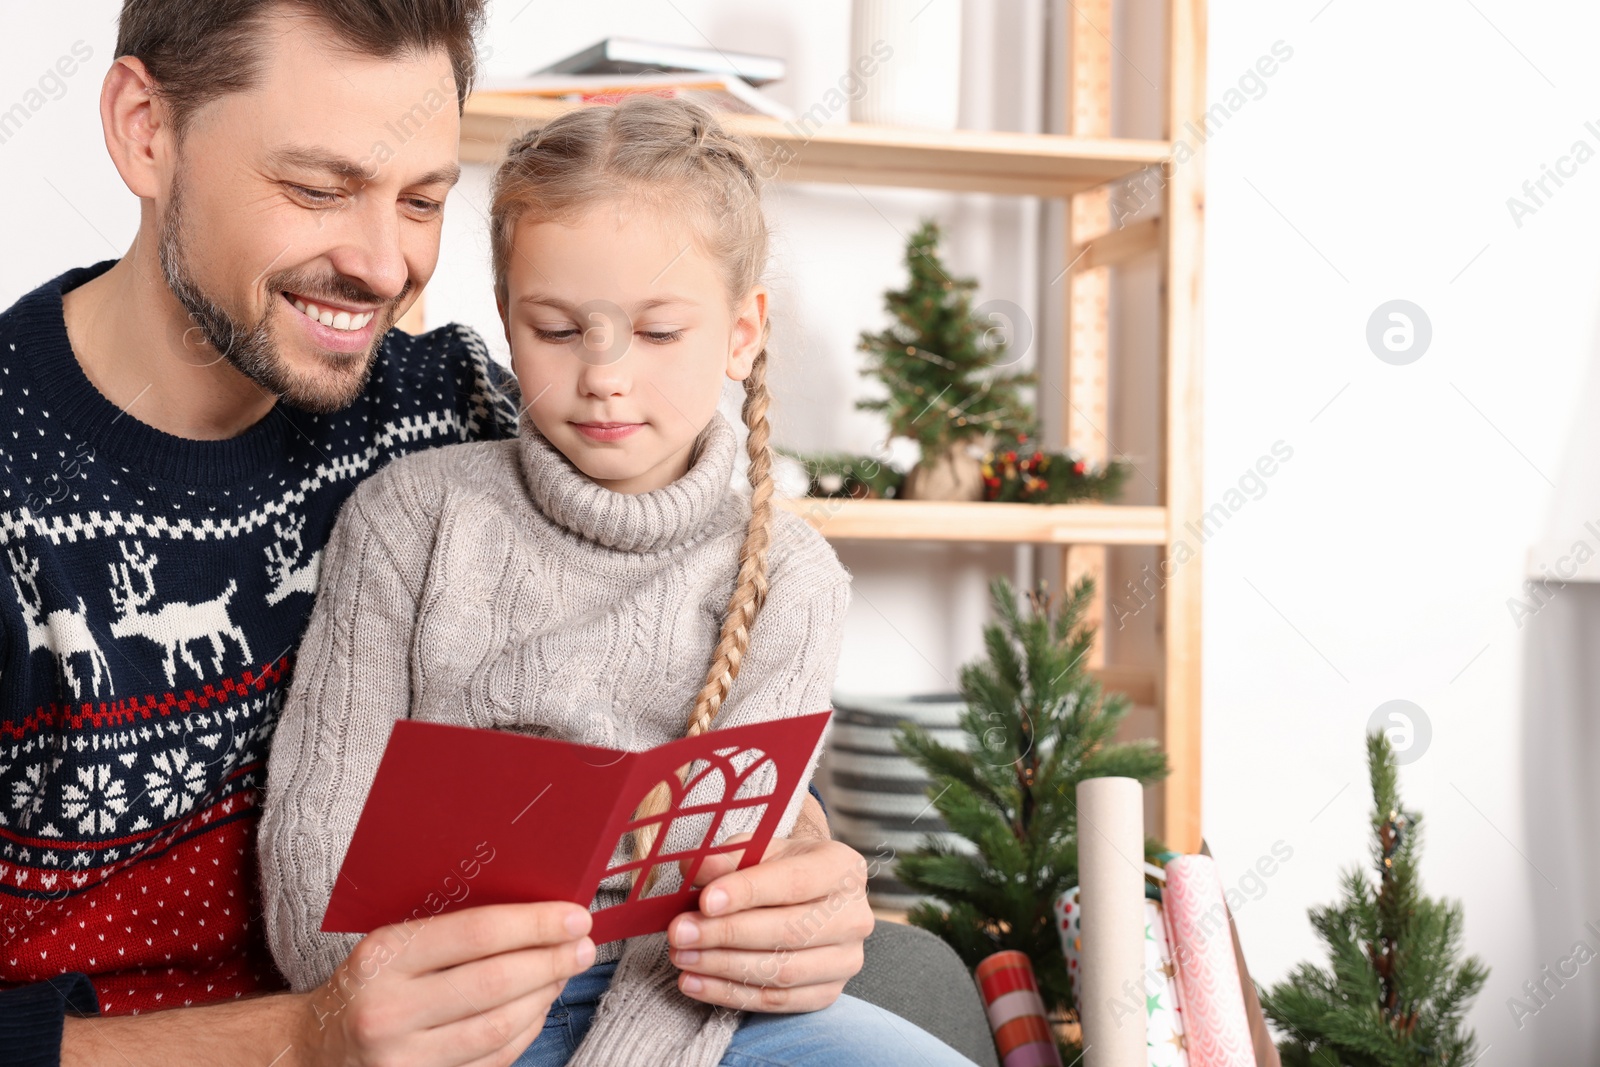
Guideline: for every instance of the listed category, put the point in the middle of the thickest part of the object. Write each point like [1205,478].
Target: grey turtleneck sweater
[495,585]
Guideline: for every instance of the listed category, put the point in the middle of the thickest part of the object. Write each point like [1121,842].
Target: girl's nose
[606,331]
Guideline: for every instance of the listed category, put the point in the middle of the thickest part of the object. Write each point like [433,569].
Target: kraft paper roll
[1111,891]
[1016,1011]
[1164,1038]
[1217,1030]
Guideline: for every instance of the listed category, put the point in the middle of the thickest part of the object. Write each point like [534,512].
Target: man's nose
[369,251]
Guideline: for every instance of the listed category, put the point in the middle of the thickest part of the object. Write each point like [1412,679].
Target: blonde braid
[751,590]
[749,593]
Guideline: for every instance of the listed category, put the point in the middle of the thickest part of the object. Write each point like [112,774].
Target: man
[188,420]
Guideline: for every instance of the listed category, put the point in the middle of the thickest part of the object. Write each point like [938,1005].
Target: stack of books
[618,67]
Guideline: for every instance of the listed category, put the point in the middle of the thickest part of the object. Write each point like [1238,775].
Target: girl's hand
[783,935]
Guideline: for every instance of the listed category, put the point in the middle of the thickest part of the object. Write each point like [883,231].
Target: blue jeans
[848,1033]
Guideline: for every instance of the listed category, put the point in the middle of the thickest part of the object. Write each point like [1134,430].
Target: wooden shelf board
[933,520]
[967,160]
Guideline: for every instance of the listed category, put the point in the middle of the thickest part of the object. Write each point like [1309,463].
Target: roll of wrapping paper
[1164,1025]
[1016,1011]
[1164,1039]
[1068,912]
[1216,1029]
[1111,892]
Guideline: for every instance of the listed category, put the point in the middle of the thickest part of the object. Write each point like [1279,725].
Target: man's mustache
[335,289]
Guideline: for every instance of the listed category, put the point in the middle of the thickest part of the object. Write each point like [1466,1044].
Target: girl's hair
[675,156]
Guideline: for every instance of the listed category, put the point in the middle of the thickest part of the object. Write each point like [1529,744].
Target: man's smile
[332,315]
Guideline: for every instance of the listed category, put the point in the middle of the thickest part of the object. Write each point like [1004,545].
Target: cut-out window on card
[675,824]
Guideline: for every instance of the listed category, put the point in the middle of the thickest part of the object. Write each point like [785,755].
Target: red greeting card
[459,817]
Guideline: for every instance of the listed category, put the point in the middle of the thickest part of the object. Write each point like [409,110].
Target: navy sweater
[152,592]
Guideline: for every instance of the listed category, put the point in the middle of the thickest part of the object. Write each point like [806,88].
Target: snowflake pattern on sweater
[153,592]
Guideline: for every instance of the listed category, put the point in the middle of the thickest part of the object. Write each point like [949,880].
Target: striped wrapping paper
[1016,1011]
[1163,1013]
[1218,1030]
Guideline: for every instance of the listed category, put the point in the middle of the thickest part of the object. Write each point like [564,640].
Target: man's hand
[469,987]
[783,935]
[466,987]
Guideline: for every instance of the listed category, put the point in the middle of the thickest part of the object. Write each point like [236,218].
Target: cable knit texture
[495,585]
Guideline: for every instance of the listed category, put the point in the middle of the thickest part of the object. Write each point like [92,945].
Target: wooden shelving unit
[962,160]
[1077,168]
[931,520]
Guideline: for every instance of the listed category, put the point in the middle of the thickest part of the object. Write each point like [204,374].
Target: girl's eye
[661,337]
[557,337]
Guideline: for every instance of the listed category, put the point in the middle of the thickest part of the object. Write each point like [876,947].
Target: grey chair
[921,979]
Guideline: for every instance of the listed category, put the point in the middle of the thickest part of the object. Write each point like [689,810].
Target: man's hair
[196,52]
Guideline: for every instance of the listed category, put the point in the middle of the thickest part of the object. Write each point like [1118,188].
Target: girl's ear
[749,333]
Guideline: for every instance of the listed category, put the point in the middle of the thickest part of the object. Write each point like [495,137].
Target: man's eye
[425,207]
[316,196]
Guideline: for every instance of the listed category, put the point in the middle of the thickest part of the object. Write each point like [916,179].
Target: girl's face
[621,336]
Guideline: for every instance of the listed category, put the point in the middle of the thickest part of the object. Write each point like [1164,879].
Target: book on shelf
[627,55]
[721,93]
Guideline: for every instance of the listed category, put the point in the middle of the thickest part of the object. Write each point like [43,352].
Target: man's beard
[252,349]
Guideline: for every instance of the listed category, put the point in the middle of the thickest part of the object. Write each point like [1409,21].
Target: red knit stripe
[147,706]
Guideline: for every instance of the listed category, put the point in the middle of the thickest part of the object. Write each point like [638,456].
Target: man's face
[303,217]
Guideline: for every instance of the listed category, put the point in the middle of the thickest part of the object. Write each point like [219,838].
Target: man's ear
[749,333]
[135,123]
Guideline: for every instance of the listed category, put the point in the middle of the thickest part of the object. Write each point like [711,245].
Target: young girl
[597,579]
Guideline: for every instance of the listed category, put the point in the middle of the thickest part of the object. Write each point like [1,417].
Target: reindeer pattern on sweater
[153,595]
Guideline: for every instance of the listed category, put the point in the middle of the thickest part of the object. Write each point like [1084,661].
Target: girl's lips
[607,431]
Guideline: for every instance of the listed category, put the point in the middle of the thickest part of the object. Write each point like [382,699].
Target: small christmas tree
[1037,723]
[1396,995]
[940,363]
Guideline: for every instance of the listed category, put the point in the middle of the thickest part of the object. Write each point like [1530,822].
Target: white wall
[1377,564]
[66,205]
